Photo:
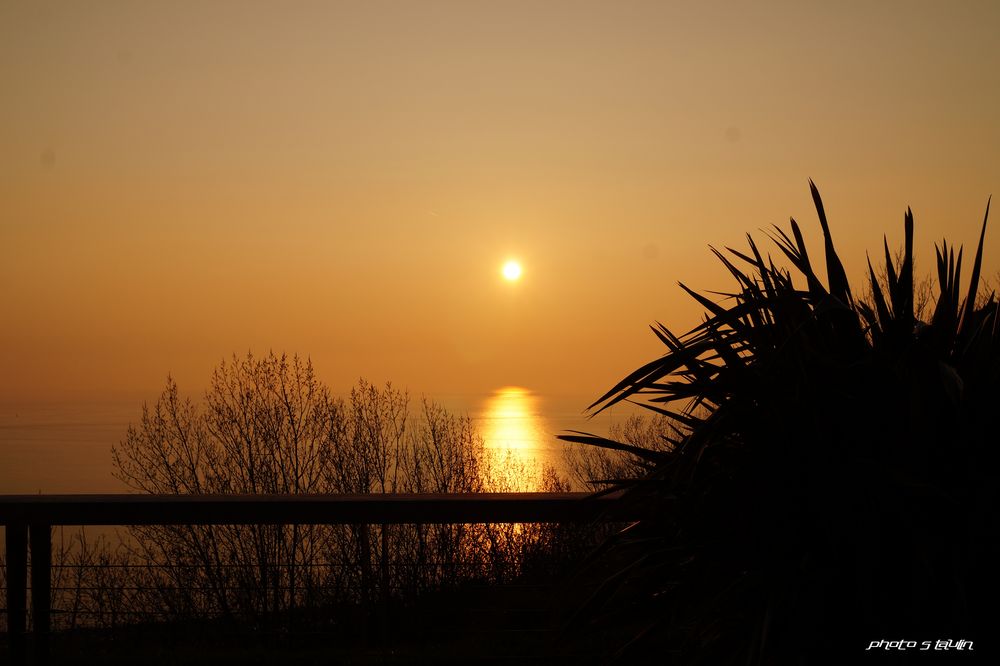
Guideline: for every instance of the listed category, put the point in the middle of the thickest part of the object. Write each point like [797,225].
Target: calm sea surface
[65,447]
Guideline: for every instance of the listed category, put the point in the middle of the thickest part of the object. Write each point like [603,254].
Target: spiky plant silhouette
[831,480]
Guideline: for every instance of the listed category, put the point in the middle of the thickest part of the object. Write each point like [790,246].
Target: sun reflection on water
[515,431]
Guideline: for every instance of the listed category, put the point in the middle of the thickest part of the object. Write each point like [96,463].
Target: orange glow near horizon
[179,182]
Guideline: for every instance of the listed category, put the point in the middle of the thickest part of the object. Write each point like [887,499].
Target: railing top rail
[135,509]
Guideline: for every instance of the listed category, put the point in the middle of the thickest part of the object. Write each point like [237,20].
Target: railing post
[41,588]
[384,586]
[365,560]
[17,589]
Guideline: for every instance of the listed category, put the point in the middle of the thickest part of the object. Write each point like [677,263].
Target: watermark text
[920,645]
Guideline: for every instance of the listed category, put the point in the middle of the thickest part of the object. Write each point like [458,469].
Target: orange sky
[344,179]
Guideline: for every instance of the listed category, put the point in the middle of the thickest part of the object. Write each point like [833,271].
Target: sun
[511,271]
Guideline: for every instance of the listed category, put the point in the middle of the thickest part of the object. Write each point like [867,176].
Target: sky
[181,181]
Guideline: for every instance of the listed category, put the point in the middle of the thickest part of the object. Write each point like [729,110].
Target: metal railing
[29,518]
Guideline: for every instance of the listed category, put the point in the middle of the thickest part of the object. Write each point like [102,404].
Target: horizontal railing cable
[28,520]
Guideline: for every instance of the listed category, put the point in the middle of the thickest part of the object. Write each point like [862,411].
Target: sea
[64,446]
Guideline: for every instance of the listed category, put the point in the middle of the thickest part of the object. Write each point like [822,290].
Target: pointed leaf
[836,276]
[970,300]
[605,443]
[881,308]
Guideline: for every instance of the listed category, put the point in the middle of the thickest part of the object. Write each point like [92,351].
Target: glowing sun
[511,271]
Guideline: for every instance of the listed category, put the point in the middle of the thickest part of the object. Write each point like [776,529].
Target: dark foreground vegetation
[832,477]
[464,622]
[355,592]
[820,475]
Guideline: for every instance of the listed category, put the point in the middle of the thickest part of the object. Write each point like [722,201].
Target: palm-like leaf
[821,438]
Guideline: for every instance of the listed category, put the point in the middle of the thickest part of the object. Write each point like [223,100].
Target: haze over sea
[64,446]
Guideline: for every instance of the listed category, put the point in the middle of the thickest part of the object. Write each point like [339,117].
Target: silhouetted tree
[265,427]
[833,479]
[268,425]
